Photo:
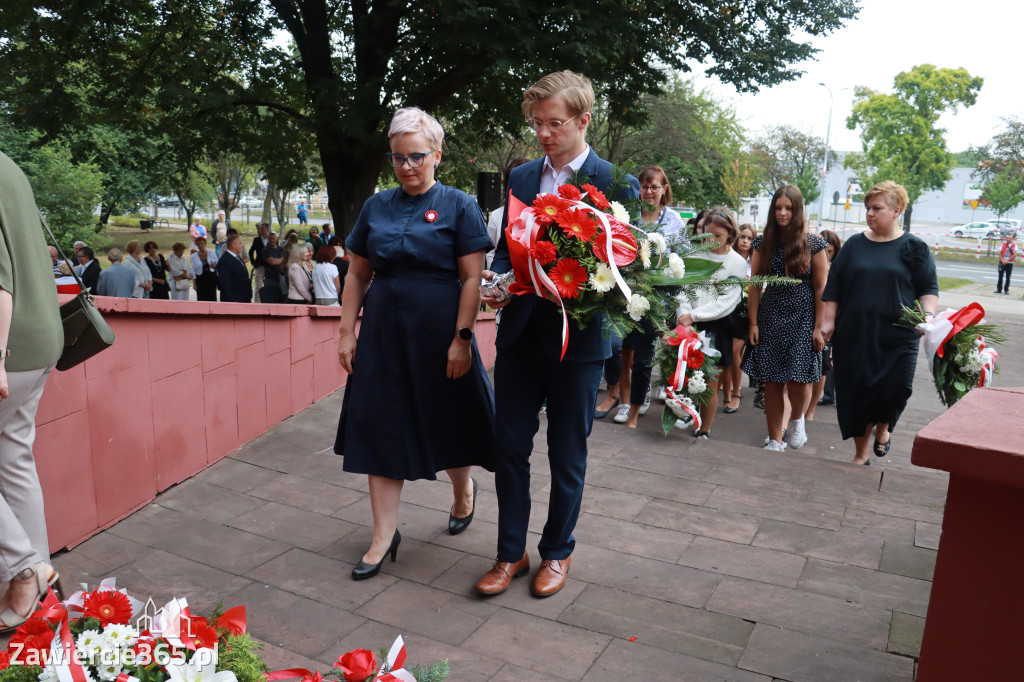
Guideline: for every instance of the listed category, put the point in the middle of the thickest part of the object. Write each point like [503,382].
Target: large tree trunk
[906,217]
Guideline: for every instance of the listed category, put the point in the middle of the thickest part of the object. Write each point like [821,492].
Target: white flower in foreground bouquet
[659,243]
[696,383]
[620,212]
[602,279]
[637,307]
[676,266]
[195,671]
[644,251]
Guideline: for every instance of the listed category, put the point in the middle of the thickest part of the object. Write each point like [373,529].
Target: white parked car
[250,202]
[975,230]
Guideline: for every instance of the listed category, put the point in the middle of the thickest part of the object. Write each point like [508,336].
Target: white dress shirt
[551,178]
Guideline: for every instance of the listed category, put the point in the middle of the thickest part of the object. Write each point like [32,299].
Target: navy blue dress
[402,418]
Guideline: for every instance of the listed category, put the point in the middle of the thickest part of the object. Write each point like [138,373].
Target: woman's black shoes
[601,414]
[882,449]
[363,570]
[456,526]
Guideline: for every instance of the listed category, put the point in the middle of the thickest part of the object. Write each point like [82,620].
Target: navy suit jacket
[528,310]
[91,276]
[233,280]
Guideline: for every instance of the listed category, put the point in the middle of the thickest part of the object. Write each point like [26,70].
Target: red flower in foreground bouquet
[5,660]
[570,192]
[108,606]
[544,252]
[569,277]
[695,360]
[577,223]
[34,636]
[357,665]
[547,206]
[624,246]
[597,196]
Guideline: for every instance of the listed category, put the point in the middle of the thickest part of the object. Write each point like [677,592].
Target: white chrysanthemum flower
[644,251]
[602,279]
[109,672]
[49,674]
[637,307]
[696,383]
[123,636]
[676,266]
[971,362]
[659,243]
[620,212]
[90,643]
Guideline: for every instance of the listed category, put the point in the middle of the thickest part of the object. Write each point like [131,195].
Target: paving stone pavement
[695,560]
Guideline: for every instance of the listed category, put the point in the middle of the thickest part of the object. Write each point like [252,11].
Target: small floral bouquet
[686,360]
[107,635]
[958,344]
[579,250]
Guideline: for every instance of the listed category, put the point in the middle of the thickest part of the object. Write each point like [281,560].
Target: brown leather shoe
[550,576]
[497,580]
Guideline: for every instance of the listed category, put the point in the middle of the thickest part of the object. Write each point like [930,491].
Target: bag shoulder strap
[78,279]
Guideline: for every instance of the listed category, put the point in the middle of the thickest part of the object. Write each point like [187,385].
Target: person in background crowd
[74,259]
[31,342]
[878,273]
[291,237]
[325,277]
[179,267]
[220,224]
[494,226]
[157,265]
[89,268]
[119,279]
[196,230]
[1007,257]
[740,323]
[528,369]
[232,275]
[422,244]
[708,311]
[273,256]
[223,245]
[144,278]
[54,259]
[340,261]
[325,233]
[204,272]
[785,321]
[824,391]
[259,271]
[301,212]
[314,239]
[656,193]
[300,281]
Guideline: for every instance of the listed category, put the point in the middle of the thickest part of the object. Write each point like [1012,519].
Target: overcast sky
[986,37]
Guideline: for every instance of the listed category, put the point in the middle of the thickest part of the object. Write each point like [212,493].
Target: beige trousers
[23,540]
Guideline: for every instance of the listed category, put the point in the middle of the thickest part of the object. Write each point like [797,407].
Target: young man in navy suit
[232,275]
[527,369]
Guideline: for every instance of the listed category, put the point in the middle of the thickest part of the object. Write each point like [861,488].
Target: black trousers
[1004,269]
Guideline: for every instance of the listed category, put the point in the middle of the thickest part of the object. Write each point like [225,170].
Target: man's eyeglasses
[553,125]
[651,188]
[414,160]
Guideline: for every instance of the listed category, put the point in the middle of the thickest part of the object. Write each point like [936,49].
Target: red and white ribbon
[396,659]
[989,356]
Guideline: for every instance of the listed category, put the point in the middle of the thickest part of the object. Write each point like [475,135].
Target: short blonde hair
[131,246]
[415,120]
[574,87]
[895,195]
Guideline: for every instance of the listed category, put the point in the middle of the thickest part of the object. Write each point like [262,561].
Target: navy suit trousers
[525,376]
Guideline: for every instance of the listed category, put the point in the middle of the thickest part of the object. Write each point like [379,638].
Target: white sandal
[11,619]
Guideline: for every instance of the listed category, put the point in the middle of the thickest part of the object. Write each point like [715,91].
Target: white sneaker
[775,446]
[797,435]
[662,395]
[647,404]
[622,415]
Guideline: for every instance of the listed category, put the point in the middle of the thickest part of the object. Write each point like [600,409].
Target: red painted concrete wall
[185,384]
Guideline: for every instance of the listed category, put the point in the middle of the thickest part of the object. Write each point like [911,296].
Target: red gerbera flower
[695,360]
[596,196]
[203,636]
[34,636]
[109,606]
[569,277]
[5,660]
[577,223]
[570,192]
[547,206]
[544,252]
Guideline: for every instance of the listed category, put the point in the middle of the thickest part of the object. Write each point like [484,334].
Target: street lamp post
[824,161]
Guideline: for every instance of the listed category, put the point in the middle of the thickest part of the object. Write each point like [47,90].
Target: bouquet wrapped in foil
[499,286]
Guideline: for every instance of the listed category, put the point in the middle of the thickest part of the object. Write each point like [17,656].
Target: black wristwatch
[465,333]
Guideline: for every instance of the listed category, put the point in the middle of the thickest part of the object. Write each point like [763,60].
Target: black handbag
[86,333]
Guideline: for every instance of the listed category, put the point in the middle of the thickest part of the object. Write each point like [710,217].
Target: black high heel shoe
[456,526]
[363,570]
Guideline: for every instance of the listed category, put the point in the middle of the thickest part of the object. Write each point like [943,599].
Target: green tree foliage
[788,155]
[899,133]
[1004,155]
[354,62]
[1003,192]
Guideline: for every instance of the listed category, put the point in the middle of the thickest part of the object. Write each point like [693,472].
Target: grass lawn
[948,283]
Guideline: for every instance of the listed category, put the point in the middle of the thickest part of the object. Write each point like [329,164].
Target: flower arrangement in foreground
[958,344]
[579,250]
[685,360]
[106,635]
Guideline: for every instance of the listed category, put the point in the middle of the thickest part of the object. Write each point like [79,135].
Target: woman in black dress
[157,265]
[876,273]
[204,267]
[417,398]
[785,321]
